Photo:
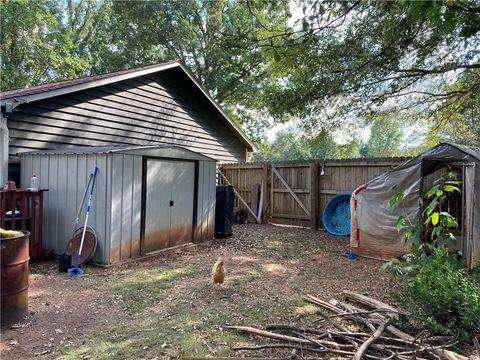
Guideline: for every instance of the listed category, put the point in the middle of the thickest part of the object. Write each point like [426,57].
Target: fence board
[279,204]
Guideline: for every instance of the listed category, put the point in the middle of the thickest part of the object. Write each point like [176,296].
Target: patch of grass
[177,330]
[173,311]
[307,309]
[185,333]
[139,290]
[178,313]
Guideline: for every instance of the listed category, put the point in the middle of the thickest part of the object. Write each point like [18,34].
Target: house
[161,104]
[155,136]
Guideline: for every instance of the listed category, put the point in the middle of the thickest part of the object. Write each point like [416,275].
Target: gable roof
[440,153]
[13,98]
[66,86]
[469,150]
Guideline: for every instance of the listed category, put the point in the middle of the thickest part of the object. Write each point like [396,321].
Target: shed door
[168,204]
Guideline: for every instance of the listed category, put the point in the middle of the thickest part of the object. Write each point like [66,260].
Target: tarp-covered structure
[373,230]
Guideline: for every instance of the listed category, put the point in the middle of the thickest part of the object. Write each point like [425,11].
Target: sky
[339,137]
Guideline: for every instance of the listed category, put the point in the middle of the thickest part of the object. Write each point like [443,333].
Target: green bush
[445,297]
[438,290]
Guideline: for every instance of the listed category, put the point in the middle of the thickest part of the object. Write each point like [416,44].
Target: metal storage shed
[146,199]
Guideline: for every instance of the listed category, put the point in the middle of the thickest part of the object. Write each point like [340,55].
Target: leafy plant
[444,296]
[439,222]
[439,291]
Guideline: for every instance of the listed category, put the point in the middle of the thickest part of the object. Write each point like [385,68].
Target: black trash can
[64,263]
[224,211]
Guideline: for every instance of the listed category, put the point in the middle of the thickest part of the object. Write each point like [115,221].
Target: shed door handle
[171,202]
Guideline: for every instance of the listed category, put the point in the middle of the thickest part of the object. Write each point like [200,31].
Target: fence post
[314,178]
[266,193]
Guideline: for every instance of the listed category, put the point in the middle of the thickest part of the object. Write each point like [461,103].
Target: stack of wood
[358,328]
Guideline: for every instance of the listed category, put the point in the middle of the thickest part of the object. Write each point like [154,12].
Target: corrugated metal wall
[66,177]
[206,201]
[125,227]
[117,203]
[126,206]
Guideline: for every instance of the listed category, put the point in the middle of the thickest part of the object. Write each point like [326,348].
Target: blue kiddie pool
[336,215]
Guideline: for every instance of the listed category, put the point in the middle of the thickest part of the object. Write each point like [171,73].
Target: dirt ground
[164,307]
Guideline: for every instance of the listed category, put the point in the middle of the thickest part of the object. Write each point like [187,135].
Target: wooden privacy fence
[295,193]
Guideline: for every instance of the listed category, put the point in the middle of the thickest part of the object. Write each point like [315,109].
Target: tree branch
[444,69]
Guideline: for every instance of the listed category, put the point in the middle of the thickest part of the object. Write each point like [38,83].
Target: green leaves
[340,61]
[433,204]
[402,220]
[447,220]
[43,41]
[432,192]
[436,221]
[442,295]
[437,288]
[395,201]
[218,40]
[386,266]
[440,220]
[451,188]
[354,59]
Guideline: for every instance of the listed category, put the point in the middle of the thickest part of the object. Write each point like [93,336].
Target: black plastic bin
[224,211]
[64,263]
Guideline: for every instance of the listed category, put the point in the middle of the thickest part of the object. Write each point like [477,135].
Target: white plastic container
[34,183]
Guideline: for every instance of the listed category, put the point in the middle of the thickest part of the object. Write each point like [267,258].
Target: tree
[290,144]
[287,146]
[34,46]
[386,135]
[335,67]
[368,56]
[460,124]
[216,39]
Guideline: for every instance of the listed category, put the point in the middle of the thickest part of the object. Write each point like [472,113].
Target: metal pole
[80,208]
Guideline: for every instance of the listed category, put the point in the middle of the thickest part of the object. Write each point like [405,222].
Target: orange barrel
[14,275]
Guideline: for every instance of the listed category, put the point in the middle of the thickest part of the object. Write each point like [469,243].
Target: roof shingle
[66,83]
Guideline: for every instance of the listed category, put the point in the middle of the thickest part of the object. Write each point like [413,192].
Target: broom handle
[86,217]
[81,206]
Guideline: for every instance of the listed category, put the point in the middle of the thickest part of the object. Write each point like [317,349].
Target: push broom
[76,271]
[80,208]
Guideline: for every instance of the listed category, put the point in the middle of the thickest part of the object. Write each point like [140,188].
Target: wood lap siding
[148,110]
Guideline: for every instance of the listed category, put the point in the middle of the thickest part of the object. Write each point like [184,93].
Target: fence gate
[294,195]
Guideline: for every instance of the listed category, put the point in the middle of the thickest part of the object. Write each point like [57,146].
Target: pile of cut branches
[358,328]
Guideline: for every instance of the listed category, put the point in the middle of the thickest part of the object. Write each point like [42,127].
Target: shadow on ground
[165,307]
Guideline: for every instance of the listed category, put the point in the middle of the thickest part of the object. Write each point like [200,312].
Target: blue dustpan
[76,271]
